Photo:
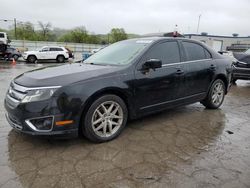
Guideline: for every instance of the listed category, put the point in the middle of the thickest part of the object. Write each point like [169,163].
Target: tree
[25,31]
[117,34]
[45,29]
[79,35]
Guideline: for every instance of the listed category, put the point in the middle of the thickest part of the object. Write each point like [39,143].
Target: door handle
[179,72]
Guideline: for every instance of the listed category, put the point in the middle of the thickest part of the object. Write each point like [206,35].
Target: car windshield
[120,53]
[248,51]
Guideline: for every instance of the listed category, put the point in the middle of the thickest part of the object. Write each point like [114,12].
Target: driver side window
[167,52]
[45,49]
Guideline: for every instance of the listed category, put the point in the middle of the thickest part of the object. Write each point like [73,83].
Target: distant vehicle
[125,80]
[241,68]
[4,42]
[60,54]
[86,54]
[95,50]
[11,53]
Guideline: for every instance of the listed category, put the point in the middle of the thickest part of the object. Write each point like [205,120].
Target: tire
[215,95]
[3,47]
[97,119]
[31,59]
[60,59]
[15,57]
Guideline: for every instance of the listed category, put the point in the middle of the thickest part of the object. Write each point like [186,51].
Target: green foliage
[26,31]
[2,30]
[45,30]
[117,34]
[80,35]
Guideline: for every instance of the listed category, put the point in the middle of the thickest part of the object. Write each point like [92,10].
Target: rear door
[161,86]
[53,52]
[199,66]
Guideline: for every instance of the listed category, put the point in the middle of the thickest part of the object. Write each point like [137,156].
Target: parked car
[241,68]
[11,53]
[125,80]
[60,54]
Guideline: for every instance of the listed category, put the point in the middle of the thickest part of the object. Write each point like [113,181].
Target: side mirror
[152,64]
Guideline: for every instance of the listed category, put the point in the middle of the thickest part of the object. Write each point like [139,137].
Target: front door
[44,53]
[156,88]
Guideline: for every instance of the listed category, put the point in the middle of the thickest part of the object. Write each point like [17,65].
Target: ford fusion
[123,81]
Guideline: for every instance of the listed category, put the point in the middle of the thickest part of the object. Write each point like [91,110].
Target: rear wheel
[215,95]
[31,59]
[60,59]
[105,119]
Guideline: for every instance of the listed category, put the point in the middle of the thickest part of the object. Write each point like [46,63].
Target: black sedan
[11,53]
[126,80]
[241,69]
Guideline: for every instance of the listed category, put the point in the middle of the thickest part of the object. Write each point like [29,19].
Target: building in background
[222,43]
[217,42]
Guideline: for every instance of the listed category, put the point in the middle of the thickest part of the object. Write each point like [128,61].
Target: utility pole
[5,20]
[198,24]
[15,28]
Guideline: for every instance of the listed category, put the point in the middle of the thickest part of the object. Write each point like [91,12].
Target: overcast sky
[222,17]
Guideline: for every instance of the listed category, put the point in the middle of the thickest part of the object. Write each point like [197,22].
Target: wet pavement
[183,147]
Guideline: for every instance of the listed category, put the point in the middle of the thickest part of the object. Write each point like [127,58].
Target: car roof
[156,39]
[52,47]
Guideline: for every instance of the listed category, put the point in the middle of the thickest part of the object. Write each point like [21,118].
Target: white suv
[60,54]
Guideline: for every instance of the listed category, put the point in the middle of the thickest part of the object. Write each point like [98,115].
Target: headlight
[38,95]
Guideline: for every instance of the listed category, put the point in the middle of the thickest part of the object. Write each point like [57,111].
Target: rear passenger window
[56,49]
[195,51]
[59,49]
[167,52]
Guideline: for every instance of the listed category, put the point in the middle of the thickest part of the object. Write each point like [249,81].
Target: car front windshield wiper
[101,64]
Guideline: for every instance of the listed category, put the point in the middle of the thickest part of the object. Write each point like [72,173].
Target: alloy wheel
[107,119]
[218,94]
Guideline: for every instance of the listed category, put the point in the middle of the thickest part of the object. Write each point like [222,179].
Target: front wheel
[215,95]
[105,119]
[31,59]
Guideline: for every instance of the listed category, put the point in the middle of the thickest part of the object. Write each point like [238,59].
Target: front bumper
[24,56]
[18,117]
[241,73]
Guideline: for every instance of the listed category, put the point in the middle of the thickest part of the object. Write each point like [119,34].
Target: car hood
[30,52]
[64,75]
[239,55]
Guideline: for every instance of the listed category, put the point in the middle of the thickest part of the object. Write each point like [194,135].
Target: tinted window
[207,53]
[167,52]
[45,49]
[1,35]
[56,49]
[195,51]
